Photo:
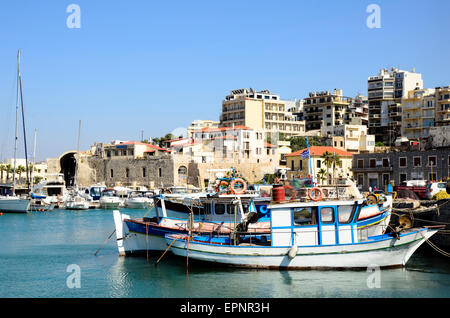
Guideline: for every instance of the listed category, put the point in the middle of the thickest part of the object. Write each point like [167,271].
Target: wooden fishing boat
[303,235]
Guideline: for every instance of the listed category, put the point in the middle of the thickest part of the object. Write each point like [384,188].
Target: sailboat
[9,202]
[76,201]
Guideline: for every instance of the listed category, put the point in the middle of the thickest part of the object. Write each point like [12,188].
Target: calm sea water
[37,249]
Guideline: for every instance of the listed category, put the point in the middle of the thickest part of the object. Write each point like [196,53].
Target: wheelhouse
[317,224]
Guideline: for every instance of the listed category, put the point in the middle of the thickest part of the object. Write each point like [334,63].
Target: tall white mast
[17,120]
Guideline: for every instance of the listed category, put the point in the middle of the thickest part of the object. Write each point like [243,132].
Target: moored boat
[305,235]
[109,199]
[138,200]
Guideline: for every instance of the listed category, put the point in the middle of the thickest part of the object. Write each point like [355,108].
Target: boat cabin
[6,190]
[315,223]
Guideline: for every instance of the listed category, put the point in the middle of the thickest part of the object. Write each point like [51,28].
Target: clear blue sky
[158,65]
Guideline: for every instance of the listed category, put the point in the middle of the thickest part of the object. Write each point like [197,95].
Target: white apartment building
[226,144]
[262,111]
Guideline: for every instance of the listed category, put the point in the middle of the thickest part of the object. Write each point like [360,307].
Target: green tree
[20,169]
[337,162]
[321,175]
[9,169]
[2,170]
[298,143]
[328,161]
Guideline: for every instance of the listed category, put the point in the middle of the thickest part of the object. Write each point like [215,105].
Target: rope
[436,248]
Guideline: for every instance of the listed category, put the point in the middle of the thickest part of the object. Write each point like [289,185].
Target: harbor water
[41,251]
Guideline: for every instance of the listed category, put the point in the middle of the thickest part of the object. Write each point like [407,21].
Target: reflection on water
[37,248]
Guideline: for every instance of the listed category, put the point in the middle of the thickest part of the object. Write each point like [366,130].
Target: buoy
[241,181]
[315,197]
[293,251]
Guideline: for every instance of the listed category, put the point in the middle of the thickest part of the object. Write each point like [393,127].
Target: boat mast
[34,155]
[24,135]
[78,157]
[17,121]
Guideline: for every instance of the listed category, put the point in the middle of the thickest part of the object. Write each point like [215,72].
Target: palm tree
[336,161]
[321,175]
[20,170]
[328,161]
[9,169]
[2,170]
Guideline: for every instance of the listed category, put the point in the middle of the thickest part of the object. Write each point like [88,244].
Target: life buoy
[238,180]
[294,193]
[223,184]
[315,198]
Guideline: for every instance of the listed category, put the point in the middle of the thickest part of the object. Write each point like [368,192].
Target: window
[319,163]
[417,161]
[432,176]
[403,177]
[304,216]
[220,209]
[160,172]
[112,173]
[127,172]
[372,163]
[432,161]
[144,172]
[231,208]
[402,162]
[300,165]
[327,215]
[360,163]
[385,162]
[345,213]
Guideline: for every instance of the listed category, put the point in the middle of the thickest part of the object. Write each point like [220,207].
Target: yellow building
[418,113]
[301,167]
[260,111]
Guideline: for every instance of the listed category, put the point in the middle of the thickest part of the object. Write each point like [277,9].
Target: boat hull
[137,204]
[384,252]
[15,205]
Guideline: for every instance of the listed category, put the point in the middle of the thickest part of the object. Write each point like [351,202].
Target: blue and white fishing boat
[305,236]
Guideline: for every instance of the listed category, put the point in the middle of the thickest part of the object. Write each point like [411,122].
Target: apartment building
[418,113]
[385,93]
[325,109]
[262,111]
[199,124]
[442,96]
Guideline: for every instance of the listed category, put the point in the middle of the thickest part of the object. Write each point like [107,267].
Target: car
[434,188]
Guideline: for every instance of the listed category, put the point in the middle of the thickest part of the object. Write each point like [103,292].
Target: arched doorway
[68,165]
[182,174]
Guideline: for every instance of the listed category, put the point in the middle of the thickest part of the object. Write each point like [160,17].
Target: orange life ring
[315,198]
[244,186]
[223,183]
[294,193]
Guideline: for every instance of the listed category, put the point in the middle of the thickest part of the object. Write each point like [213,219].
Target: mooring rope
[436,248]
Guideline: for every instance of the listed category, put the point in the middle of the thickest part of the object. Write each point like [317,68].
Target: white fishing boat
[109,199]
[304,235]
[139,200]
